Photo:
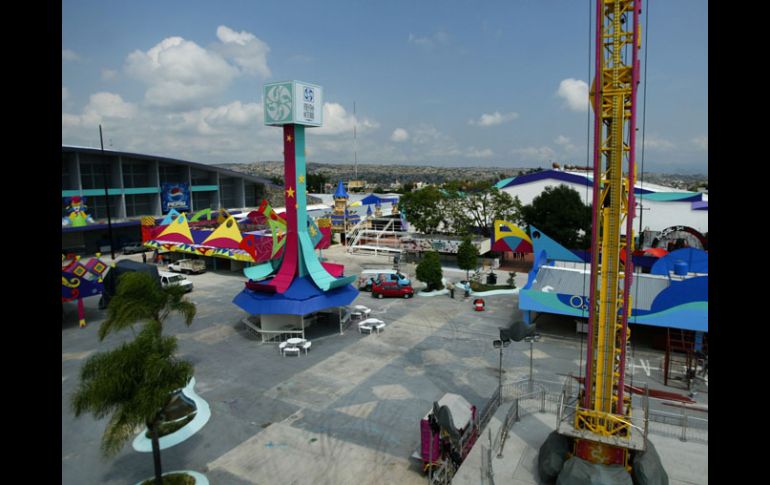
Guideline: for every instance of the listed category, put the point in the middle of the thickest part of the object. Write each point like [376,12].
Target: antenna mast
[355,143]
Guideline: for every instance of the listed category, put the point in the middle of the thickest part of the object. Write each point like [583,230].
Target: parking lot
[347,412]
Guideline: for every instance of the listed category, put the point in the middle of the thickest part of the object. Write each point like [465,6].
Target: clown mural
[76,213]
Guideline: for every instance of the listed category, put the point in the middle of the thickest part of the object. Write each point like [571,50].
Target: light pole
[105,169]
[500,344]
[531,339]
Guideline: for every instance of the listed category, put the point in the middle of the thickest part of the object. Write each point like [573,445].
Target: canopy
[301,298]
[376,199]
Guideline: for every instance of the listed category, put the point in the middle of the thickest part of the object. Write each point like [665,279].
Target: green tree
[429,271]
[132,384]
[560,213]
[140,298]
[423,208]
[316,182]
[476,210]
[467,255]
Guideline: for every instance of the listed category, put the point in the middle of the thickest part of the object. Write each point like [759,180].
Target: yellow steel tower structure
[602,424]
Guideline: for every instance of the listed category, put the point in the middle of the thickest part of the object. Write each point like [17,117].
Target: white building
[661,207]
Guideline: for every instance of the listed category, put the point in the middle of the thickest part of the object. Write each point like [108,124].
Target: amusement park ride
[602,428]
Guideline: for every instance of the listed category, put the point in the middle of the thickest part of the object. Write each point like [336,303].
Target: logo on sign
[309,95]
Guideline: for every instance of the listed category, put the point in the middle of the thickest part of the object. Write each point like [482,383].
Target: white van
[369,276]
[167,279]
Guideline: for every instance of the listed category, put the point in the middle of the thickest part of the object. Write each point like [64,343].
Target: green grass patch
[173,479]
[484,287]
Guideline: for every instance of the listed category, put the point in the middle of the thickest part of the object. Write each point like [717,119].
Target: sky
[443,83]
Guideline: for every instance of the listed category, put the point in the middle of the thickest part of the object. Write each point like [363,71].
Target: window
[92,175]
[172,174]
[203,200]
[252,195]
[136,174]
[139,205]
[67,172]
[201,177]
[227,192]
[98,209]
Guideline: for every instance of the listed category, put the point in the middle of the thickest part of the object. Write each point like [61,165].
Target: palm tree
[135,382]
[132,384]
[141,298]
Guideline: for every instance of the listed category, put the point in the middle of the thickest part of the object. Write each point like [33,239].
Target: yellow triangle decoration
[506,229]
[227,230]
[178,226]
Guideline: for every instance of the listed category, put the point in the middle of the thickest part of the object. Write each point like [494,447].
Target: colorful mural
[81,279]
[76,213]
[509,237]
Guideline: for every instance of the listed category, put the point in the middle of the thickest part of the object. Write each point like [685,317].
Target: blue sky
[450,83]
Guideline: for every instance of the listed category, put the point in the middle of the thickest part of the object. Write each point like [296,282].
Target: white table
[361,309]
[371,324]
[291,345]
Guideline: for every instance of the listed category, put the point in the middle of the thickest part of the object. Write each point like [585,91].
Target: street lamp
[531,338]
[500,344]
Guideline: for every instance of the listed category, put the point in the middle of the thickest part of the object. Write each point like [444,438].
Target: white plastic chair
[282,347]
[379,326]
[306,346]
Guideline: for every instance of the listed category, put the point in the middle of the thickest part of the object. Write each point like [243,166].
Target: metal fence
[544,396]
[487,472]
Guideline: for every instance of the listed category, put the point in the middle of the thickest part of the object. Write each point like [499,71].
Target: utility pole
[105,168]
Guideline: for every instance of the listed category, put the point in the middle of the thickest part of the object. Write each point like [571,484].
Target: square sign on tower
[293,102]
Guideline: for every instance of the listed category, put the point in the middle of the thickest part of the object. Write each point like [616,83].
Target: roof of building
[340,193]
[201,166]
[646,190]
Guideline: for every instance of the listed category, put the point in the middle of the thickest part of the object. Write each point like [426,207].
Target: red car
[391,288]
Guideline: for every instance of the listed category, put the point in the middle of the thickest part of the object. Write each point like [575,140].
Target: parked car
[188,266]
[391,288]
[370,276]
[134,248]
[168,279]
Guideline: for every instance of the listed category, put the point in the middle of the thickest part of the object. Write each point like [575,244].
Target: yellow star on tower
[288,138]
[302,179]
[290,192]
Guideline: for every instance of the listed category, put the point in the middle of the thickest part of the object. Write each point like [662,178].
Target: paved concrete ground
[685,463]
[348,412]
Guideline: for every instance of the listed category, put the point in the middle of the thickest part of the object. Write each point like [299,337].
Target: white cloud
[225,133]
[179,73]
[534,154]
[562,140]
[493,119]
[248,52]
[654,142]
[69,55]
[101,106]
[336,120]
[109,74]
[575,93]
[473,152]
[428,43]
[213,121]
[701,142]
[399,135]
[433,144]
[110,105]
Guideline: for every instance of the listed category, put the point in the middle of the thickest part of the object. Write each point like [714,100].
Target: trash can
[492,279]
